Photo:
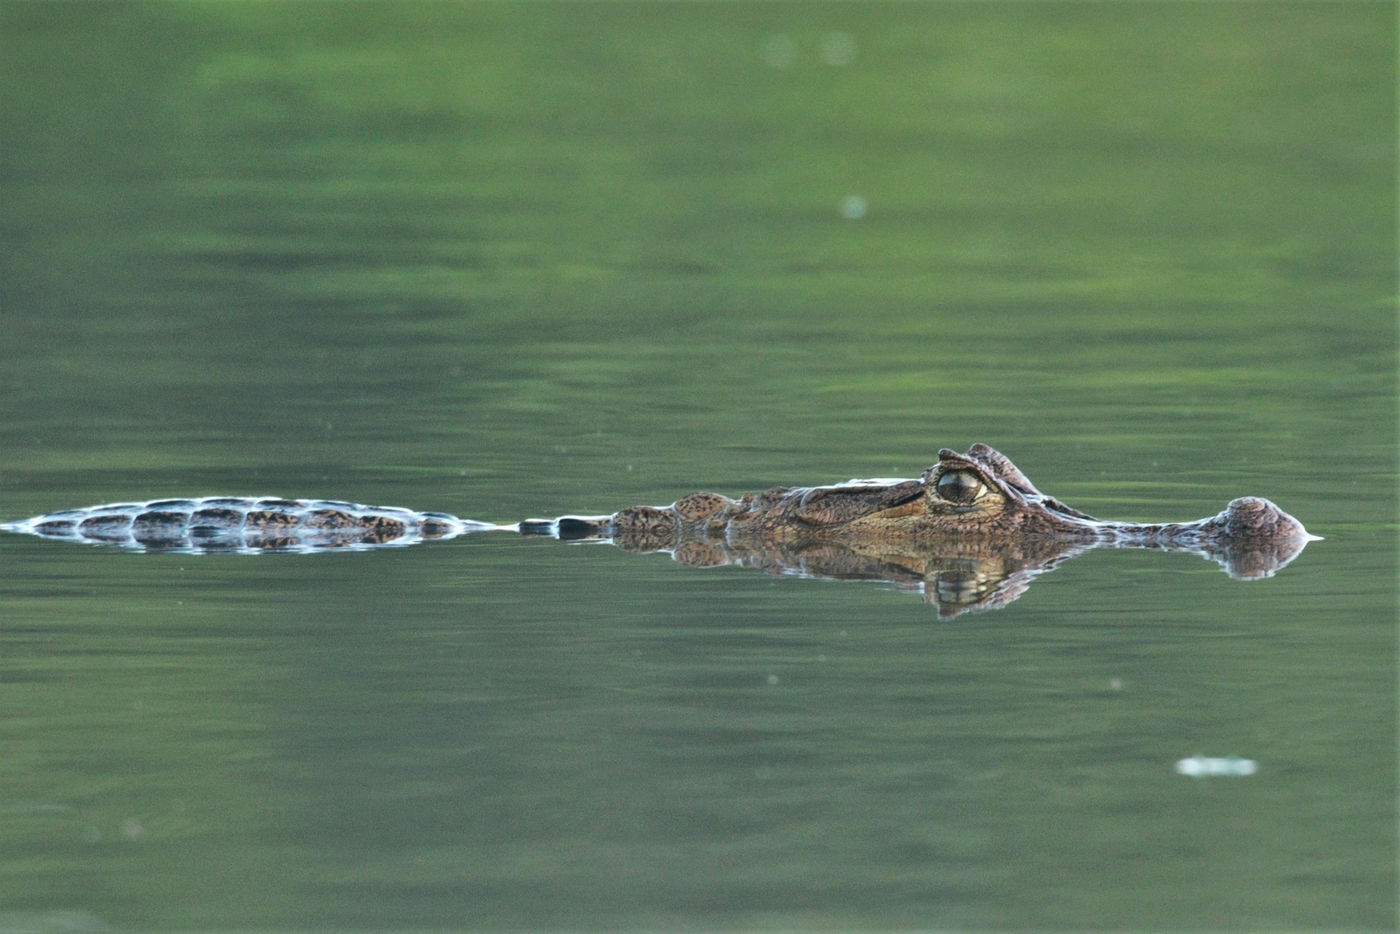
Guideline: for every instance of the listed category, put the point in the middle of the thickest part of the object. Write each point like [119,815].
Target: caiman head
[983,489]
[981,492]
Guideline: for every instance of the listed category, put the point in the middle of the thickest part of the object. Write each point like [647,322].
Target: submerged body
[975,507]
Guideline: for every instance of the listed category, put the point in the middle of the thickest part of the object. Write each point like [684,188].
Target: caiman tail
[247,524]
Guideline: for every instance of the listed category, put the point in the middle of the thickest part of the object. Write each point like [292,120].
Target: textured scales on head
[994,467]
[1002,467]
[1251,518]
[847,502]
[1008,492]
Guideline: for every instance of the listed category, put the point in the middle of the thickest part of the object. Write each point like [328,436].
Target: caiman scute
[970,533]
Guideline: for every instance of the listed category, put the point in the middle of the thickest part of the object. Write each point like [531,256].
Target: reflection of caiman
[970,533]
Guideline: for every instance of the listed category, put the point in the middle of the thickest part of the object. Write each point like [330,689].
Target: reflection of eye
[959,486]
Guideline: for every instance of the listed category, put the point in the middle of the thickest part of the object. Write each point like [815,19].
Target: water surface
[509,261]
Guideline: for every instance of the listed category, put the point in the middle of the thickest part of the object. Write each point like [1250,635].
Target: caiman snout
[1251,518]
[1253,538]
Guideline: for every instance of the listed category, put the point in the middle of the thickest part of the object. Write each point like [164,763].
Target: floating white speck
[853,207]
[1207,766]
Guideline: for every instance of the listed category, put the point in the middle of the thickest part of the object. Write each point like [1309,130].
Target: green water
[509,260]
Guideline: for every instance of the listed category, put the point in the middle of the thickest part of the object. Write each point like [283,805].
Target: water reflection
[1215,766]
[957,576]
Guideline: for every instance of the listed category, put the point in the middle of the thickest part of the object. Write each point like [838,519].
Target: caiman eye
[959,486]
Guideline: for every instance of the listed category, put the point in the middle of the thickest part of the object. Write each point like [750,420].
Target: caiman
[970,533]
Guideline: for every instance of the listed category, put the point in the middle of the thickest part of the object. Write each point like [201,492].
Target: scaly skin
[244,524]
[970,534]
[977,495]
